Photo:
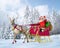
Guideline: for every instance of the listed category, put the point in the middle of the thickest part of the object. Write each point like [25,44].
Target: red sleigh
[35,28]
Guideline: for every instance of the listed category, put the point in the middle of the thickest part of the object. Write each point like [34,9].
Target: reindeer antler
[8,17]
[17,15]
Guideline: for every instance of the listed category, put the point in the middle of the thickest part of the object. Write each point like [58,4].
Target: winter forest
[31,16]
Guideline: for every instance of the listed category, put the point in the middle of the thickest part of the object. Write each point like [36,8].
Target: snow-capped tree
[1,34]
[56,19]
[3,31]
[27,14]
[35,15]
[31,15]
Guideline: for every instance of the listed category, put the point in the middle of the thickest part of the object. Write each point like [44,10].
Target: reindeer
[18,29]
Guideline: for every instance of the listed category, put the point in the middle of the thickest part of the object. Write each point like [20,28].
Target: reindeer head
[12,20]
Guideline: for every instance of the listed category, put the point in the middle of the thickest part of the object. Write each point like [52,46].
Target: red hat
[40,17]
[44,16]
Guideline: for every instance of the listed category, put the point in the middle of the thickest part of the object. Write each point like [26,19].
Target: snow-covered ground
[54,44]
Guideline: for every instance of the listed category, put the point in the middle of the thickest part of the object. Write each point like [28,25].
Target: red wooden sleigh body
[35,28]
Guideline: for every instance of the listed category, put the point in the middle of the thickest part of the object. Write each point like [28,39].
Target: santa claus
[42,22]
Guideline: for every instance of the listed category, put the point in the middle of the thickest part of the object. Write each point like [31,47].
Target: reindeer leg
[24,40]
[26,37]
[14,40]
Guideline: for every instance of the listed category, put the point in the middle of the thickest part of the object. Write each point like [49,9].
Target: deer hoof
[15,41]
[23,41]
[27,41]
[12,42]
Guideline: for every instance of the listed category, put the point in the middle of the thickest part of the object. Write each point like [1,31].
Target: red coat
[42,24]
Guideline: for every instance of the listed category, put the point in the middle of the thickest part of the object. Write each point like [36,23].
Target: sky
[51,3]
[12,7]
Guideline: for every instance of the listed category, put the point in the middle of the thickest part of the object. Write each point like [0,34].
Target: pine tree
[35,16]
[27,14]
[56,21]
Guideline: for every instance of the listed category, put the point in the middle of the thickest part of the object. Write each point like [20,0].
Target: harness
[20,27]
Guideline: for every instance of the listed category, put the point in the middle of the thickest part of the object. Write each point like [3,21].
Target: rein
[18,28]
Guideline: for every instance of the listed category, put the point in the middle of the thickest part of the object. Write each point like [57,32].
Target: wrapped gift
[47,24]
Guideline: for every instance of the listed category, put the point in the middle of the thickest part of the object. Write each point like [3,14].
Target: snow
[55,43]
